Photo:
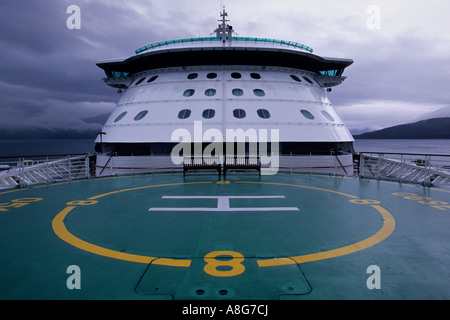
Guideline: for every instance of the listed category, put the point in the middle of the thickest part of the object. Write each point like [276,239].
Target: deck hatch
[163,282]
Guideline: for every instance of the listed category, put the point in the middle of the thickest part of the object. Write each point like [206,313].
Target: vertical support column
[47,171]
[291,161]
[427,181]
[86,166]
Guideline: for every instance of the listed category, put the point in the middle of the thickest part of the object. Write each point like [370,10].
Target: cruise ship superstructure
[244,238]
[224,82]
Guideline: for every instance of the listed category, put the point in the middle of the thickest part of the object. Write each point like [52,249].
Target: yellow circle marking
[61,231]
[385,231]
[27,200]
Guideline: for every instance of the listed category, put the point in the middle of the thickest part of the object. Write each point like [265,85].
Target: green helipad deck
[288,236]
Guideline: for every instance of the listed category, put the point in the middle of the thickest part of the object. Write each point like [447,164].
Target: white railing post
[291,161]
[310,162]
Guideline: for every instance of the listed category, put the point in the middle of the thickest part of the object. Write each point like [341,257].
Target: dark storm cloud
[40,51]
[47,70]
[42,61]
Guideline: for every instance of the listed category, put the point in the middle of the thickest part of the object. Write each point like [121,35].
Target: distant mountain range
[437,128]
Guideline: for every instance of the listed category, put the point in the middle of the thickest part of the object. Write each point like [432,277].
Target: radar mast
[224,31]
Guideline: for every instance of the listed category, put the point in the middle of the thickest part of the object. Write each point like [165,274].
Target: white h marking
[223,204]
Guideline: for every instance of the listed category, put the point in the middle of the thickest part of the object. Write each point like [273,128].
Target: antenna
[224,31]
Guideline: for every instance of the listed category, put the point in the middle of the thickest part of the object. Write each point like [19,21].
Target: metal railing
[332,163]
[425,169]
[202,40]
[36,169]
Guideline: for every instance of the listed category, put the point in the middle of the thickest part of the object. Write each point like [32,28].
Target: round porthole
[189,93]
[308,80]
[328,116]
[239,113]
[237,92]
[120,116]
[307,114]
[192,76]
[263,113]
[184,114]
[140,115]
[210,92]
[152,79]
[294,77]
[208,113]
[211,75]
[259,92]
[236,75]
[255,75]
[140,81]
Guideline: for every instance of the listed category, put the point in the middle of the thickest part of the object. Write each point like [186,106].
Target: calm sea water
[39,147]
[44,147]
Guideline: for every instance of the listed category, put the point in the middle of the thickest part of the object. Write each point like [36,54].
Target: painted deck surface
[288,236]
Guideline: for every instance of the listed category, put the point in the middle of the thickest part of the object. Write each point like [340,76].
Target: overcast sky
[48,76]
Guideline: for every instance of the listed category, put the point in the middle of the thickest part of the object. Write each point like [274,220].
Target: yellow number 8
[212,264]
[81,202]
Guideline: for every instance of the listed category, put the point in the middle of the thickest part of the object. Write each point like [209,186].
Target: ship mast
[224,30]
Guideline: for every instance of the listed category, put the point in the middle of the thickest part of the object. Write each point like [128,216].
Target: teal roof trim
[163,43]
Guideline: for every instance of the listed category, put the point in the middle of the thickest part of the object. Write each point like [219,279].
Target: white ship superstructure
[224,82]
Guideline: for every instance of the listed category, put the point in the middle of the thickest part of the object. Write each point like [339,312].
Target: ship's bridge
[225,49]
[210,51]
